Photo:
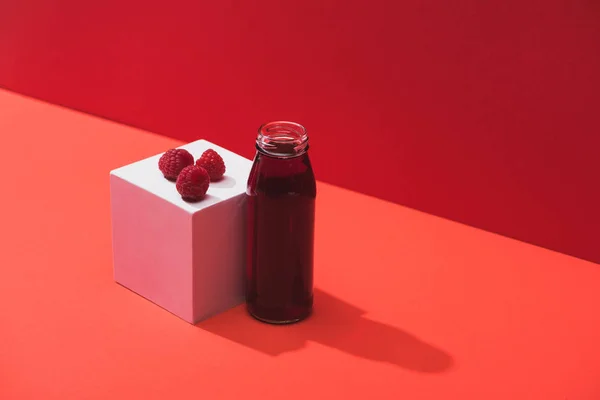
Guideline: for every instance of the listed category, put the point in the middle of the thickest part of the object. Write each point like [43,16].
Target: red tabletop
[407,305]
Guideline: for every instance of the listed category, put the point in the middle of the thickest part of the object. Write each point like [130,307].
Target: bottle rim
[282,139]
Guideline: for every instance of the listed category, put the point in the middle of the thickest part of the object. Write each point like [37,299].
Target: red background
[482,112]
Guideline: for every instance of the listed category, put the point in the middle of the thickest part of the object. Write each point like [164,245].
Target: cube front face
[152,247]
[188,258]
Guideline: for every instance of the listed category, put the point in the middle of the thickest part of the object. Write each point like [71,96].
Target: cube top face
[146,175]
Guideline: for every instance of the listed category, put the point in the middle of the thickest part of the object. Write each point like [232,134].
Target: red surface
[485,112]
[408,305]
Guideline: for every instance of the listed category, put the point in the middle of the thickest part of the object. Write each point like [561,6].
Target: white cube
[188,258]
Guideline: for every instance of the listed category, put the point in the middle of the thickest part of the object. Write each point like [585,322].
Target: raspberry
[192,183]
[173,161]
[212,162]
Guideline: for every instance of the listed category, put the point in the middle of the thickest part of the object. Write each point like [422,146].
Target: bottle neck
[282,139]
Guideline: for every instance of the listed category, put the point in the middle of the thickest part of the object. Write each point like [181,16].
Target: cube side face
[219,260]
[152,244]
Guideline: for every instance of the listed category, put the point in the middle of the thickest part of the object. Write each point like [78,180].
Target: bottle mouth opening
[282,138]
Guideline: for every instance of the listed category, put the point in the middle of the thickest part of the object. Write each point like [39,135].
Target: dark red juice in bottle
[281,196]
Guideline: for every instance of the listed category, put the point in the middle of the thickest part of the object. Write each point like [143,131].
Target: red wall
[485,112]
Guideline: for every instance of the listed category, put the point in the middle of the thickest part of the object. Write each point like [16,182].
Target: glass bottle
[281,196]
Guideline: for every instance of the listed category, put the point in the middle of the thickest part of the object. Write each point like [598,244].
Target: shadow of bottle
[336,324]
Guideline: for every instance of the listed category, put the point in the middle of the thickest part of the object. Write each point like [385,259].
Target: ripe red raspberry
[173,161]
[212,162]
[192,183]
